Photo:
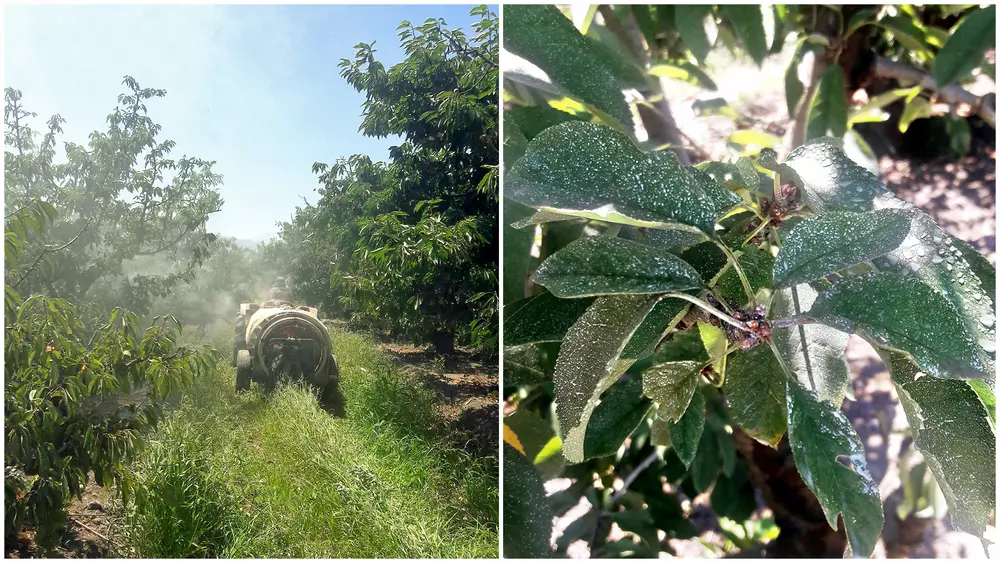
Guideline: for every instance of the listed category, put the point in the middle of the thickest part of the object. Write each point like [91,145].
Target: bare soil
[88,534]
[468,385]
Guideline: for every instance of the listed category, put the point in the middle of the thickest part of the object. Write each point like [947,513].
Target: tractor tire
[244,370]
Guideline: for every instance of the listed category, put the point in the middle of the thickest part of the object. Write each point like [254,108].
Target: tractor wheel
[244,370]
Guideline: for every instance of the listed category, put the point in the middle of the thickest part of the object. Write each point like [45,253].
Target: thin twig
[632,476]
[91,530]
[708,309]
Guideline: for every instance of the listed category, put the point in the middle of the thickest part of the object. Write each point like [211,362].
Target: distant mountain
[252,243]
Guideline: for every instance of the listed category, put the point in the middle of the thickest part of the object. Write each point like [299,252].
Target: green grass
[230,475]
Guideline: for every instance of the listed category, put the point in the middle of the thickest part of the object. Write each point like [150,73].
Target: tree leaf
[828,108]
[671,240]
[544,318]
[530,364]
[756,264]
[980,266]
[685,434]
[819,434]
[671,385]
[748,22]
[514,141]
[537,439]
[604,265]
[815,352]
[722,199]
[542,35]
[928,255]
[902,313]
[532,120]
[525,509]
[620,412]
[755,390]
[966,46]
[593,171]
[707,462]
[663,318]
[588,363]
[685,71]
[835,240]
[516,251]
[916,108]
[690,20]
[952,430]
[750,137]
[828,178]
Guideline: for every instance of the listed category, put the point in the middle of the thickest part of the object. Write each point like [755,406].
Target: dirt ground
[469,388]
[89,531]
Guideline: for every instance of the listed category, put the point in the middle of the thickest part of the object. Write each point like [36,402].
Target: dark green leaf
[664,317]
[526,511]
[835,240]
[620,412]
[722,199]
[733,497]
[514,141]
[544,318]
[828,108]
[756,264]
[594,171]
[928,255]
[755,389]
[966,46]
[952,430]
[685,434]
[542,35]
[901,312]
[707,462]
[516,252]
[530,364]
[671,240]
[604,265]
[589,363]
[748,21]
[532,120]
[819,435]
[690,20]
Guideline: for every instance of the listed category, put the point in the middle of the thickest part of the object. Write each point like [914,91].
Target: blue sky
[254,87]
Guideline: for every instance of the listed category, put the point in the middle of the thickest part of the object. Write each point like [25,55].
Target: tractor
[275,340]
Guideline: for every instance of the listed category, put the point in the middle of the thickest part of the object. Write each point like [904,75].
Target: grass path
[232,475]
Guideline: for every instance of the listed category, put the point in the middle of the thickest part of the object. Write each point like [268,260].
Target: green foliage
[123,207]
[758,344]
[77,398]
[409,245]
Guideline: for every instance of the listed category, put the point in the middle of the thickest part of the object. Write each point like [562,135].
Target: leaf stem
[757,231]
[739,272]
[781,361]
[708,309]
[793,321]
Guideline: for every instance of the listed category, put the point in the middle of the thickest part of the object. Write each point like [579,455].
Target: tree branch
[47,249]
[953,94]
